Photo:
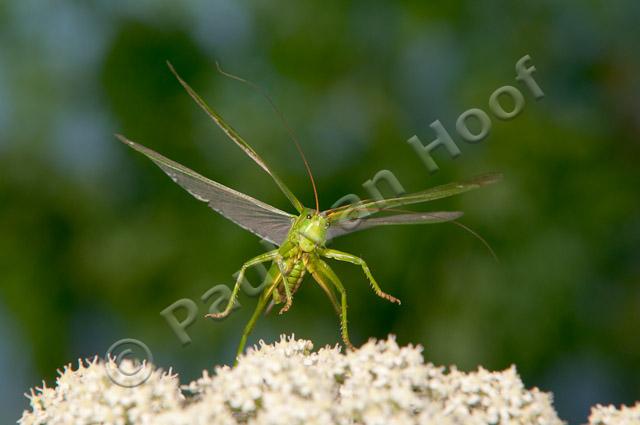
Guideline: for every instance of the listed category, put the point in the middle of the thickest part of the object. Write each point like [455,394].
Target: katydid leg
[262,302]
[350,258]
[323,283]
[289,297]
[288,249]
[323,270]
[268,256]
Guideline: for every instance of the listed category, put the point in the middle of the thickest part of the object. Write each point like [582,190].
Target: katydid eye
[308,216]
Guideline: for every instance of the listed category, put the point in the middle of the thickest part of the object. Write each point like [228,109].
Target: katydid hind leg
[324,284]
[326,271]
[262,302]
[353,259]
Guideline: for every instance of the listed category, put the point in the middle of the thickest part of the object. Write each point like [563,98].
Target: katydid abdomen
[294,270]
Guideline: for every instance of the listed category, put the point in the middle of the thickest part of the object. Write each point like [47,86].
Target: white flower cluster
[609,415]
[87,395]
[287,383]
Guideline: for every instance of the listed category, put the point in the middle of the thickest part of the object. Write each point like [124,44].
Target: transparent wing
[233,135]
[255,216]
[367,207]
[345,227]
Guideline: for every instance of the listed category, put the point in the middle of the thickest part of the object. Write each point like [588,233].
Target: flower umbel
[287,383]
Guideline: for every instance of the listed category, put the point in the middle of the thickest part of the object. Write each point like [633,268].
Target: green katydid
[301,239]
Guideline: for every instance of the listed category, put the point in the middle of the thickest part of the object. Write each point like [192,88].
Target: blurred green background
[95,240]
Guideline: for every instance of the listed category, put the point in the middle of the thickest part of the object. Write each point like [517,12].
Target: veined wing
[367,207]
[257,217]
[233,135]
[345,227]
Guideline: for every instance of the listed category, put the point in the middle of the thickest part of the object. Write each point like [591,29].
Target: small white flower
[609,415]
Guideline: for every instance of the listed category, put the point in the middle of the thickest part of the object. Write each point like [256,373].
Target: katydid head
[311,230]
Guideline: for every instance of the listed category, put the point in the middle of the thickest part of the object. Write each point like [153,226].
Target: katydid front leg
[350,258]
[263,258]
[287,291]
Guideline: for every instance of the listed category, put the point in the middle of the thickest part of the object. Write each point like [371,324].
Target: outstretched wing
[345,227]
[367,207]
[233,135]
[257,217]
